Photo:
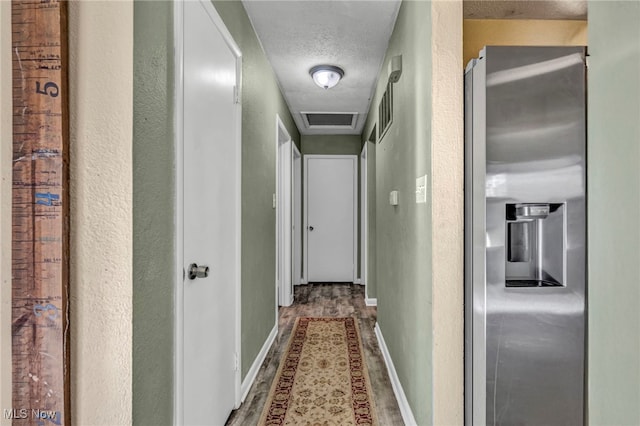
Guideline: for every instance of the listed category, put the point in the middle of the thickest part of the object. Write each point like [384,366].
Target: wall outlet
[421,190]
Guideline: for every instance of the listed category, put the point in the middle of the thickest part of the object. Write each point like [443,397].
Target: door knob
[196,271]
[311,228]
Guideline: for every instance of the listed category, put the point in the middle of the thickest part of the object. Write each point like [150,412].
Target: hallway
[123,236]
[324,300]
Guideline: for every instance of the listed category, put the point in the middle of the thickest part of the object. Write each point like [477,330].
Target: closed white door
[211,213]
[330,207]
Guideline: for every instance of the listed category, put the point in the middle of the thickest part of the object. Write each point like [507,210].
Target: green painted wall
[261,101]
[614,210]
[153,213]
[154,191]
[331,144]
[403,233]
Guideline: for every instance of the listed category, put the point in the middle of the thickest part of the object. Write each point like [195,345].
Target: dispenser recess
[535,245]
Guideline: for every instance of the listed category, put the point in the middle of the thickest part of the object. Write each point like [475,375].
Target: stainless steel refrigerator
[525,236]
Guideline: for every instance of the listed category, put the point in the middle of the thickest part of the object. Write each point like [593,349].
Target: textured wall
[101,84]
[520,32]
[5,207]
[153,213]
[614,208]
[403,232]
[331,144]
[261,101]
[447,195]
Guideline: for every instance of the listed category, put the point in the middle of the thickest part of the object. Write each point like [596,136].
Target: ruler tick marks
[40,211]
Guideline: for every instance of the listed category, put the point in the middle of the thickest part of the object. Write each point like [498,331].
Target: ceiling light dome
[326,76]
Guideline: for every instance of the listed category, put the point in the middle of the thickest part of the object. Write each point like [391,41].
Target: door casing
[284,216]
[363,220]
[297,216]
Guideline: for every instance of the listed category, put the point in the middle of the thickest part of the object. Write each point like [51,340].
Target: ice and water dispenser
[535,245]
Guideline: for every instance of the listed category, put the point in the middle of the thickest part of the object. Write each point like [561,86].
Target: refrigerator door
[526,292]
[475,230]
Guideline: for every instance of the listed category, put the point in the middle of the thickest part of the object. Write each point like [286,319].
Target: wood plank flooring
[324,300]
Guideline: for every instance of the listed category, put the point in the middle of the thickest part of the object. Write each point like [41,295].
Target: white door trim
[178,118]
[363,219]
[305,226]
[284,295]
[296,205]
[178,101]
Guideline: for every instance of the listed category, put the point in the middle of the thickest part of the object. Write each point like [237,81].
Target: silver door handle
[196,271]
[311,228]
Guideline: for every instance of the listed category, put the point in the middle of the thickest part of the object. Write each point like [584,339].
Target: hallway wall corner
[101,119]
[447,206]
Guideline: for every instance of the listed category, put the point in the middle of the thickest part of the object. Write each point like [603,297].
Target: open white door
[284,214]
[208,208]
[330,217]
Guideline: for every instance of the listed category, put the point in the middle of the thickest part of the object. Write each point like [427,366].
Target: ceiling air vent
[330,120]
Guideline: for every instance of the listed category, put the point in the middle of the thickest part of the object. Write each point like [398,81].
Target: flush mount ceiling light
[326,76]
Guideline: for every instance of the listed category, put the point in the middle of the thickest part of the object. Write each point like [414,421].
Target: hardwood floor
[324,300]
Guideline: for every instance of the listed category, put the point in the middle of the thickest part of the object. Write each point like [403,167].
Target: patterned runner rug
[322,378]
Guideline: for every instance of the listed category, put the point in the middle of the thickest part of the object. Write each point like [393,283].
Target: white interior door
[297,216]
[330,195]
[211,215]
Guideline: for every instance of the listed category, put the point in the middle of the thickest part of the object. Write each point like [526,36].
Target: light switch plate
[274,201]
[393,198]
[421,189]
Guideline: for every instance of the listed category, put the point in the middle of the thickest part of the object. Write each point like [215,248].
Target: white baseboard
[303,281]
[257,363]
[371,301]
[405,409]
[357,281]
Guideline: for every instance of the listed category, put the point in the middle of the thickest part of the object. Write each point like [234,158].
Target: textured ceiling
[525,9]
[296,35]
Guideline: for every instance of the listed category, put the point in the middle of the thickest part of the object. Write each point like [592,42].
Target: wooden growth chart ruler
[40,214]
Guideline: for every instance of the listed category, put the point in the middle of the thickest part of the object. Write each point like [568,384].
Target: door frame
[363,219]
[296,206]
[305,226]
[178,116]
[284,207]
